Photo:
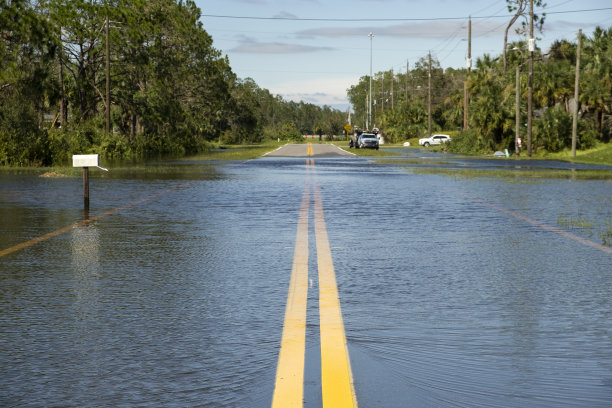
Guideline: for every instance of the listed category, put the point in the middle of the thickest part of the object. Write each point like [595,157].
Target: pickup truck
[360,139]
[368,140]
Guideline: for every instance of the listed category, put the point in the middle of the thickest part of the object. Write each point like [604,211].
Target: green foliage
[470,141]
[286,131]
[492,106]
[172,92]
[587,135]
[409,120]
[553,131]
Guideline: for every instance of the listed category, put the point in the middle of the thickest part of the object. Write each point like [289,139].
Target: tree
[27,51]
[486,108]
[596,93]
[520,8]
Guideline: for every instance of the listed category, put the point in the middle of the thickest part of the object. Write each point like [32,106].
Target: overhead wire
[374,19]
[441,47]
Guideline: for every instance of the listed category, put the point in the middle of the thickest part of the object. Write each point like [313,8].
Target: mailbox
[85,160]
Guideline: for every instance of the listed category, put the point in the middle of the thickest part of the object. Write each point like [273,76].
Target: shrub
[554,130]
[469,141]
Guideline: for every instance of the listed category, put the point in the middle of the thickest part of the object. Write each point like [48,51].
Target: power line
[391,19]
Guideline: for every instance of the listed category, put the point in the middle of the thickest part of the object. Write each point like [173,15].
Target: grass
[222,153]
[601,154]
[512,175]
[569,222]
[236,152]
[588,225]
[370,152]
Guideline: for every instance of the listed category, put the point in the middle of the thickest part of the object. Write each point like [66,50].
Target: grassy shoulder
[600,154]
[382,152]
[217,153]
[236,152]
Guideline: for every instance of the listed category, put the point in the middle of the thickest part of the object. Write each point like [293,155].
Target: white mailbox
[85,160]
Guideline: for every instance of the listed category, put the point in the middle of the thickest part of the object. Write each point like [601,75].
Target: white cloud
[428,29]
[252,46]
[285,14]
[309,91]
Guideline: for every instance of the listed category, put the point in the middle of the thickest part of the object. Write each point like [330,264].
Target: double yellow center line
[336,376]
[310,150]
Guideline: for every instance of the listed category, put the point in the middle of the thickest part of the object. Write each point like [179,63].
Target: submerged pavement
[309,150]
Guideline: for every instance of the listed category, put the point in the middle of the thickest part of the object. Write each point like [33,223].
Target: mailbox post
[86,161]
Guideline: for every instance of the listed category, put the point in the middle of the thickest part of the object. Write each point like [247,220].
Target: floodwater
[454,291]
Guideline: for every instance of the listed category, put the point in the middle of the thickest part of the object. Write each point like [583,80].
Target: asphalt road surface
[309,276]
[309,150]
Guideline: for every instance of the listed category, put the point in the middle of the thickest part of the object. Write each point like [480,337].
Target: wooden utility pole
[517,96]
[576,95]
[407,73]
[367,109]
[466,96]
[382,93]
[62,104]
[107,76]
[429,97]
[392,81]
[530,81]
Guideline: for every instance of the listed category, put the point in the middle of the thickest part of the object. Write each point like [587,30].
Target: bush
[114,146]
[469,141]
[554,130]
[587,135]
[284,131]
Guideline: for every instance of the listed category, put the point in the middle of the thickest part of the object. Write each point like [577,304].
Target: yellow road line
[82,223]
[289,388]
[310,151]
[336,375]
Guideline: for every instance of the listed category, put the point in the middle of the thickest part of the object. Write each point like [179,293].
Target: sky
[314,50]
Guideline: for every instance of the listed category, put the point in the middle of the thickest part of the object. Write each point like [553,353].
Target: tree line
[401,100]
[171,91]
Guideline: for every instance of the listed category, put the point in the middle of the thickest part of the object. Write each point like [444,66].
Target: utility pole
[392,81]
[466,96]
[517,92]
[382,93]
[530,81]
[429,97]
[63,114]
[107,76]
[576,94]
[369,121]
[407,73]
[367,111]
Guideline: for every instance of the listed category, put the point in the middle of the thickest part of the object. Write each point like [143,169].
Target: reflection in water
[179,300]
[86,270]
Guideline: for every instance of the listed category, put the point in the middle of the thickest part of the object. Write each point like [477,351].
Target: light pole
[371,35]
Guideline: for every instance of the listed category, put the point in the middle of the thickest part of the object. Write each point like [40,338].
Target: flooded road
[454,291]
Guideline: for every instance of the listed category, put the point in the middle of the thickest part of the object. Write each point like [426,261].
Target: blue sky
[316,61]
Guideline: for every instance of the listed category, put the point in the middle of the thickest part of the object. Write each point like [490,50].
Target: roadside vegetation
[402,99]
[171,92]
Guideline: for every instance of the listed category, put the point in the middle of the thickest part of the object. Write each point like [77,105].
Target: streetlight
[371,35]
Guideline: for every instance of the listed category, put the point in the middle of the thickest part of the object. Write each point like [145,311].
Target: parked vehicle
[434,140]
[368,140]
[353,142]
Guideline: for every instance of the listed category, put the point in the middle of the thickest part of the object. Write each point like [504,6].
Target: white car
[434,140]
